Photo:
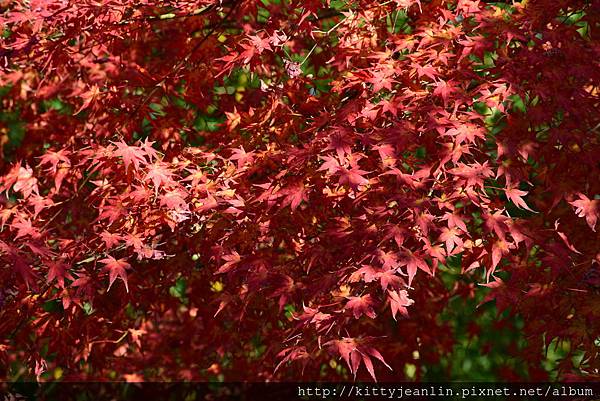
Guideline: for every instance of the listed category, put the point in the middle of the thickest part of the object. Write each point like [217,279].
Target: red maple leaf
[361,306]
[516,196]
[160,175]
[413,263]
[455,220]
[389,278]
[381,78]
[331,164]
[353,177]
[24,181]
[132,155]
[25,228]
[293,354]
[59,271]
[242,157]
[499,249]
[588,208]
[116,268]
[39,203]
[444,89]
[59,165]
[174,199]
[231,260]
[399,301]
[294,195]
[110,239]
[451,237]
[367,273]
[88,97]
[354,351]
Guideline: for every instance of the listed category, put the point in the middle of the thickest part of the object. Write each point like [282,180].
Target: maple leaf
[58,270]
[451,236]
[135,240]
[297,353]
[242,157]
[414,180]
[331,164]
[112,212]
[387,153]
[590,209]
[455,220]
[5,215]
[280,285]
[110,239]
[136,334]
[39,203]
[475,173]
[294,195]
[370,111]
[88,97]
[140,194]
[353,177]
[174,199]
[231,260]
[25,228]
[340,142]
[516,196]
[148,149]
[497,222]
[389,260]
[278,38]
[25,183]
[446,98]
[233,119]
[499,249]
[424,220]
[444,89]
[366,273]
[24,269]
[116,268]
[361,306]
[323,322]
[399,301]
[354,351]
[435,251]
[54,159]
[465,133]
[381,79]
[196,176]
[59,165]
[40,367]
[260,44]
[427,70]
[387,106]
[564,238]
[132,155]
[407,3]
[413,263]
[389,278]
[160,175]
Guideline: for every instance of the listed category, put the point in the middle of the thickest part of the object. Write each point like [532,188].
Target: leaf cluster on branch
[253,190]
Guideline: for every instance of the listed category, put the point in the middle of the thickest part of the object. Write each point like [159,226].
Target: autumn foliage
[252,190]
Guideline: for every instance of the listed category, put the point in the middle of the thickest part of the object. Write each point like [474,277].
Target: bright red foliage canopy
[249,188]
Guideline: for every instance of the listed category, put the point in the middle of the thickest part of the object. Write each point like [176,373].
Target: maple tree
[255,190]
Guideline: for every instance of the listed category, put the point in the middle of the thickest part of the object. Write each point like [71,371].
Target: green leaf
[88,308]
[178,290]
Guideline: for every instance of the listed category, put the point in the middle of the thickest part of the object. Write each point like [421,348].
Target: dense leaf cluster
[253,189]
